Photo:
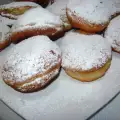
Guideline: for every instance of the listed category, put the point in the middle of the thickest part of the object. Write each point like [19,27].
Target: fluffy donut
[92,15]
[85,57]
[37,21]
[15,9]
[4,35]
[59,8]
[112,34]
[31,64]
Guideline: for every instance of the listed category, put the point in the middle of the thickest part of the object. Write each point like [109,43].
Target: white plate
[64,98]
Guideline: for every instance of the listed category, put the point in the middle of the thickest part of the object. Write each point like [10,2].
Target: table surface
[109,112]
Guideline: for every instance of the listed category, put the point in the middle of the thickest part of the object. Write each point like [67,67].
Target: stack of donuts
[87,30]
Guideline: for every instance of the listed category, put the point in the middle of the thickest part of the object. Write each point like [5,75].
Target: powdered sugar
[7,21]
[41,80]
[94,11]
[4,32]
[30,57]
[37,18]
[59,8]
[18,4]
[112,33]
[84,52]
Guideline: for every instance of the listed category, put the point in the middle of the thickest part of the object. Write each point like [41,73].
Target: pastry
[15,9]
[4,35]
[31,64]
[59,8]
[85,57]
[37,21]
[92,15]
[112,34]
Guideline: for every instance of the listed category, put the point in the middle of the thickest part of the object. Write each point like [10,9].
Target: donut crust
[115,50]
[85,25]
[52,33]
[4,44]
[21,87]
[88,76]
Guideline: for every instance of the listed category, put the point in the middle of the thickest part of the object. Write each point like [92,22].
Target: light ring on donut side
[89,76]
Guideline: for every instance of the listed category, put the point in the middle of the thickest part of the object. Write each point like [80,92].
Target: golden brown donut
[31,64]
[32,24]
[85,57]
[84,25]
[91,15]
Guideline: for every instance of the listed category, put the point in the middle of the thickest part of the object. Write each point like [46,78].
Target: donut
[31,64]
[4,35]
[59,8]
[15,9]
[37,21]
[112,34]
[92,15]
[85,57]
[43,3]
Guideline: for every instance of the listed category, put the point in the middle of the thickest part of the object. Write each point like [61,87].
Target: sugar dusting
[94,11]
[37,18]
[40,81]
[59,8]
[30,57]
[7,21]
[84,52]
[112,33]
[4,31]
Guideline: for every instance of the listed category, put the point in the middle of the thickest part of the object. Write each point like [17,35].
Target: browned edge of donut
[52,33]
[85,25]
[4,44]
[102,70]
[34,87]
[113,49]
